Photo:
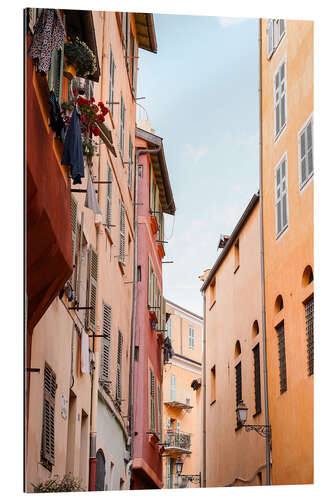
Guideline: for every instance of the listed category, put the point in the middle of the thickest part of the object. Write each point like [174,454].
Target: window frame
[283,379]
[284,228]
[276,37]
[278,133]
[191,337]
[302,130]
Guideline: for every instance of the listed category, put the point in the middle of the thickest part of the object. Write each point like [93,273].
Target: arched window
[255,329]
[237,349]
[278,303]
[100,470]
[307,277]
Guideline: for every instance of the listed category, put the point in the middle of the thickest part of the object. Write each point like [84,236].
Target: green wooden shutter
[56,72]
[93,276]
[109,198]
[48,441]
[122,232]
[106,343]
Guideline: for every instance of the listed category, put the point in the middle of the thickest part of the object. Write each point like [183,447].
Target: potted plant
[57,484]
[80,59]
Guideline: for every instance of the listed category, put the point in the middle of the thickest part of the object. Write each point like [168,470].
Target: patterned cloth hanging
[72,153]
[49,34]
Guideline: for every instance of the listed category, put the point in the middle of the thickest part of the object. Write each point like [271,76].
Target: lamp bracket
[262,430]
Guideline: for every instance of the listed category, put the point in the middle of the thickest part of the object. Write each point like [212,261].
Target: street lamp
[179,466]
[193,478]
[262,430]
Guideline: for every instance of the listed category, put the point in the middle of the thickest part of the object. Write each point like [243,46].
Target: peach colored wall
[231,310]
[185,372]
[291,414]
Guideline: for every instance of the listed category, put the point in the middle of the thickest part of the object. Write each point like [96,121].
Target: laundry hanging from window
[49,34]
[56,121]
[73,154]
[91,198]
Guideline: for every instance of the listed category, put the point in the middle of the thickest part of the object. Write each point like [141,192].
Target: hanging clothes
[84,352]
[56,121]
[91,198]
[72,154]
[49,34]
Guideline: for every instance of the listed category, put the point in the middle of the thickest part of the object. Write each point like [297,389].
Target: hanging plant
[91,116]
[79,55]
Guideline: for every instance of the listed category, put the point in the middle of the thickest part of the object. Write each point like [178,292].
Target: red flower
[92,99]
[96,131]
[100,104]
[75,92]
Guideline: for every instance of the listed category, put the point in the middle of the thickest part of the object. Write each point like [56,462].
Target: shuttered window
[130,162]
[74,231]
[282,358]
[257,386]
[170,472]
[275,29]
[48,440]
[169,327]
[280,98]
[281,195]
[122,234]
[270,37]
[159,410]
[134,67]
[56,72]
[93,276]
[191,337]
[173,388]
[163,315]
[279,30]
[122,125]
[152,400]
[111,82]
[106,345]
[119,363]
[305,152]
[108,211]
[238,370]
[309,307]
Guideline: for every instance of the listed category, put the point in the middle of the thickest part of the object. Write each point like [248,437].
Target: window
[238,383]
[122,233]
[48,443]
[170,472]
[169,328]
[130,162]
[191,337]
[56,72]
[305,153]
[178,426]
[159,410]
[106,343]
[111,82]
[152,426]
[108,211]
[309,333]
[122,125]
[100,471]
[281,196]
[172,388]
[236,255]
[282,358]
[93,274]
[280,98]
[213,385]
[169,424]
[119,363]
[74,217]
[138,276]
[275,30]
[257,388]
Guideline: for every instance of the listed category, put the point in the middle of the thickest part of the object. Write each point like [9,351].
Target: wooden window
[170,472]
[108,212]
[309,308]
[280,98]
[122,229]
[172,388]
[48,440]
[130,162]
[305,153]
[152,400]
[191,337]
[159,410]
[119,363]
[257,386]
[212,385]
[92,287]
[111,81]
[122,125]
[106,344]
[238,370]
[281,196]
[282,357]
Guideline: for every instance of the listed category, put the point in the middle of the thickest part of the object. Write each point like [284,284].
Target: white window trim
[278,135]
[276,43]
[191,337]
[308,180]
[285,228]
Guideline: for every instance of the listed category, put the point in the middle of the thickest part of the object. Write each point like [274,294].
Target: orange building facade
[287,186]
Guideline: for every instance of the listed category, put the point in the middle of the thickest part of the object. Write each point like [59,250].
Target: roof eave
[146,40]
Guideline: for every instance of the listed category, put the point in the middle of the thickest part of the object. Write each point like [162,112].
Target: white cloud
[225,22]
[195,153]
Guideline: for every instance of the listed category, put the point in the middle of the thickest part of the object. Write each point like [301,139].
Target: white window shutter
[270,38]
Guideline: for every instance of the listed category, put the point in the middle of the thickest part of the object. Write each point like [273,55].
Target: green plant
[78,53]
[57,484]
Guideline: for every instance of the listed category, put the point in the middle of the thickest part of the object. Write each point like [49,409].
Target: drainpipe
[204,396]
[262,269]
[135,286]
[96,343]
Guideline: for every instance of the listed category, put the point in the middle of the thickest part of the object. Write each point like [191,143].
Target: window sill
[236,269]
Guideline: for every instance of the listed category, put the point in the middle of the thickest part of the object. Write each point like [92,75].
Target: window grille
[282,358]
[257,388]
[309,308]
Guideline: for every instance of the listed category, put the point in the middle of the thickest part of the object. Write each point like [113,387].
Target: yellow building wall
[291,414]
[233,304]
[185,371]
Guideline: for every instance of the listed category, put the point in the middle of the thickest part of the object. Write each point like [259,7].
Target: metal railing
[180,440]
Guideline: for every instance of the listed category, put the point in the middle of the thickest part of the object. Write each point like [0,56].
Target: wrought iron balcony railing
[179,398]
[177,442]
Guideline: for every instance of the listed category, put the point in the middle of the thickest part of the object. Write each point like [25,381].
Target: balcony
[179,398]
[177,442]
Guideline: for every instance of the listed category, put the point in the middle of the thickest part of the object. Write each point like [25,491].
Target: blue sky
[201,92]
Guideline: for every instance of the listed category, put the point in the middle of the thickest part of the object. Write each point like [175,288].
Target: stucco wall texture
[286,257]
